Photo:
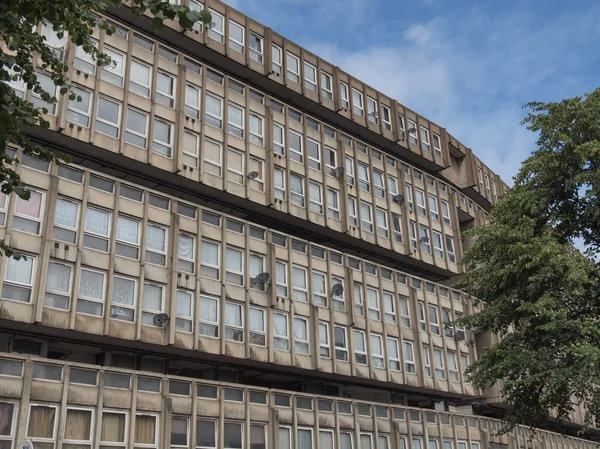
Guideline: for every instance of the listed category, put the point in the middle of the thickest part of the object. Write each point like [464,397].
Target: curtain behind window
[155,238]
[152,297]
[145,429]
[128,230]
[304,439]
[113,427]
[41,421]
[19,270]
[186,246]
[96,221]
[66,213]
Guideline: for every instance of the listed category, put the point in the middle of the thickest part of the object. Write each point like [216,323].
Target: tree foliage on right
[541,295]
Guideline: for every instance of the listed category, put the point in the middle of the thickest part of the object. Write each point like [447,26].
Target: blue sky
[467,65]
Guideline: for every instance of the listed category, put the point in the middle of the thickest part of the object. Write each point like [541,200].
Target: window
[58,286]
[360,347]
[214,111]
[389,307]
[209,259]
[234,267]
[190,146]
[97,229]
[114,430]
[437,144]
[257,327]
[278,139]
[446,212]
[123,298]
[326,86]
[192,101]
[305,438]
[397,228]
[279,183]
[480,176]
[293,67]
[382,224]
[319,286]
[128,237]
[314,154]
[377,351]
[438,249]
[393,353]
[256,47]
[83,61]
[424,241]
[90,298]
[236,36]
[338,300]
[372,110]
[66,217]
[363,177]
[156,245]
[341,343]
[79,111]
[494,189]
[47,85]
[165,89]
[450,249]
[357,103]
[300,283]
[352,213]
[206,434]
[212,157]
[344,95]
[18,279]
[366,216]
[438,361]
[136,128]
[452,366]
[108,117]
[42,425]
[434,323]
[426,360]
[297,189]
[316,197]
[280,331]
[464,364]
[276,59]
[378,184]
[281,278]
[409,357]
[235,120]
[425,139]
[324,345]
[295,146]
[113,72]
[373,303]
[140,78]
[234,321]
[421,202]
[310,77]
[209,316]
[301,344]
[433,208]
[358,299]
[412,132]
[386,117]
[216,31]
[256,130]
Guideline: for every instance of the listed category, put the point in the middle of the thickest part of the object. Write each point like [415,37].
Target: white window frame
[357,97]
[344,95]
[132,306]
[73,230]
[117,123]
[49,441]
[382,223]
[300,343]
[256,55]
[282,338]
[374,308]
[168,146]
[279,146]
[408,354]
[352,212]
[319,298]
[379,183]
[386,117]
[217,166]
[73,107]
[193,110]
[397,231]
[189,158]
[425,246]
[343,350]
[450,254]
[452,363]
[446,212]
[366,217]
[234,41]
[412,132]
[218,118]
[389,307]
[299,152]
[295,75]
[101,301]
[434,213]
[239,328]
[310,84]
[143,135]
[297,197]
[229,271]
[261,333]
[360,355]
[169,97]
[439,367]
[313,162]
[302,291]
[425,143]
[144,85]
[214,32]
[21,284]
[211,265]
[324,340]
[116,67]
[276,63]
[333,210]
[393,354]
[438,245]
[213,324]
[279,190]
[233,125]
[372,113]
[316,204]
[257,137]
[358,298]
[437,144]
[326,80]
[377,358]
[426,360]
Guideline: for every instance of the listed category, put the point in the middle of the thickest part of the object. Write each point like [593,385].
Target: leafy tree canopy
[76,19]
[541,295]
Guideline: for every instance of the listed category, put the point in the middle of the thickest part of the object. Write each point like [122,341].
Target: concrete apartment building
[252,249]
